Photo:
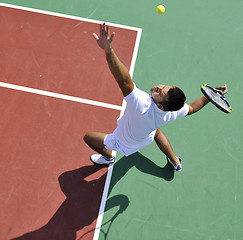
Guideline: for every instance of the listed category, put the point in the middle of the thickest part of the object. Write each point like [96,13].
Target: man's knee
[157,133]
[94,139]
[87,138]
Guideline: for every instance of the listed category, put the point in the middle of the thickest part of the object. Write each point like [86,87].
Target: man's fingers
[223,89]
[111,38]
[101,28]
[95,36]
[104,28]
[104,35]
[107,29]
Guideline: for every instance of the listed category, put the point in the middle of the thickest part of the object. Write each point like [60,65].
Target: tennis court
[55,86]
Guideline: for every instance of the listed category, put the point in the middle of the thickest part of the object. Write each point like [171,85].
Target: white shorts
[111,143]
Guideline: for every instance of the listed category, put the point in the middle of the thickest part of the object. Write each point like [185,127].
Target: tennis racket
[216,97]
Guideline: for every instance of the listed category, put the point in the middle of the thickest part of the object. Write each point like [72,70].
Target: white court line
[122,108]
[67,16]
[110,169]
[60,96]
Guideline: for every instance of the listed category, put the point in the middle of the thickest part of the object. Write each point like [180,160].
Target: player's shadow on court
[79,209]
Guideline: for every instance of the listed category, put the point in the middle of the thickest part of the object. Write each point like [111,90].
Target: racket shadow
[120,201]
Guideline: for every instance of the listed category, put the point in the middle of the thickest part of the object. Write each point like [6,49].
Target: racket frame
[220,94]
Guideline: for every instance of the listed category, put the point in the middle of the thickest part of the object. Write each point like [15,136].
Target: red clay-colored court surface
[49,187]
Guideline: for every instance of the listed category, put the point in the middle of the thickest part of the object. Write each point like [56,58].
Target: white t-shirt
[137,126]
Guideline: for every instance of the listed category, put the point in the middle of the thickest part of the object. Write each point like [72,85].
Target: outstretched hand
[104,40]
[223,89]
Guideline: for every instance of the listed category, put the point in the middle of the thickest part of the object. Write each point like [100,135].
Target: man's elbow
[191,110]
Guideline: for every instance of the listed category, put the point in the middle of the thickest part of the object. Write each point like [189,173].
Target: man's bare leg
[164,145]
[96,141]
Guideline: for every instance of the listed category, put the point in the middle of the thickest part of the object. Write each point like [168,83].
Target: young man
[144,114]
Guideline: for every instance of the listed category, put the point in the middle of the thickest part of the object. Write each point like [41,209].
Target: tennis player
[144,113]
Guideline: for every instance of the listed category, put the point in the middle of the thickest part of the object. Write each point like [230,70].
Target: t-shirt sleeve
[137,100]
[132,96]
[183,111]
[172,116]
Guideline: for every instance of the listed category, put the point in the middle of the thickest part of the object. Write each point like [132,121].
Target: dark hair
[175,101]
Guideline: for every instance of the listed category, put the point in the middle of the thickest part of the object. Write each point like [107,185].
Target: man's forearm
[197,105]
[117,68]
[119,71]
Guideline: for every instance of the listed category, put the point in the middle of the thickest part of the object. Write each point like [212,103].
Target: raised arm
[202,101]
[118,69]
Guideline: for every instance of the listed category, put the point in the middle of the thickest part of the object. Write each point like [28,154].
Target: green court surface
[192,43]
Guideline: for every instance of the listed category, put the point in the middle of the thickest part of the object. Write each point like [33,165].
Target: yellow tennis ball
[160,9]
